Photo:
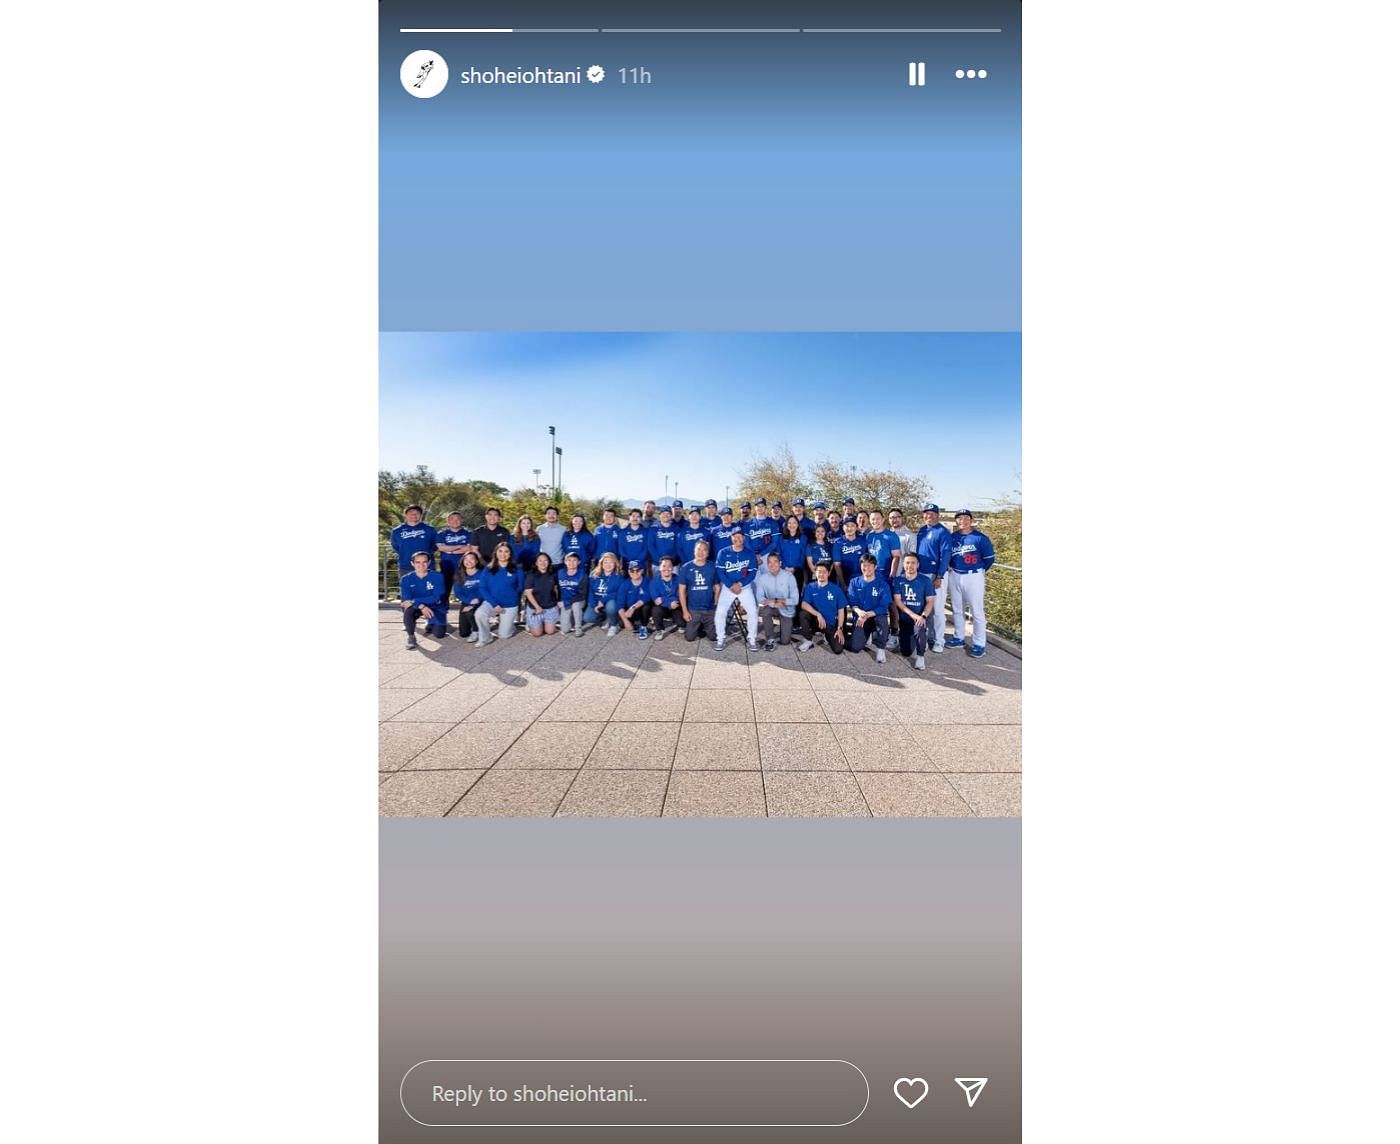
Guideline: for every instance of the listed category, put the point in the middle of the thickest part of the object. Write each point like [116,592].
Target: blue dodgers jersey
[870,595]
[971,552]
[819,552]
[912,593]
[406,539]
[632,545]
[699,581]
[828,601]
[572,586]
[759,535]
[932,546]
[605,587]
[736,567]
[882,545]
[468,591]
[661,541]
[849,552]
[687,539]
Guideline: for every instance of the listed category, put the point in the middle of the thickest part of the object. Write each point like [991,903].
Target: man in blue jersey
[632,543]
[662,541]
[697,594]
[573,594]
[913,600]
[607,537]
[690,535]
[970,558]
[412,536]
[760,534]
[804,522]
[737,569]
[870,599]
[720,530]
[745,513]
[420,594]
[452,544]
[823,611]
[883,544]
[665,589]
[934,545]
[846,551]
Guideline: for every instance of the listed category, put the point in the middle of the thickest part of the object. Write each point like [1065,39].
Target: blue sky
[634,409]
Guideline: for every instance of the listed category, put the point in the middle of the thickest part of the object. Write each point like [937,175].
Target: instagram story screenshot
[699,572]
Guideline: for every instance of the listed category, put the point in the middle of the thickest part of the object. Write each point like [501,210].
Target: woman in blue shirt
[604,587]
[579,539]
[818,552]
[525,543]
[500,596]
[467,588]
[792,551]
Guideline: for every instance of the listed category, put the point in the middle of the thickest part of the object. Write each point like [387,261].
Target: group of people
[847,578]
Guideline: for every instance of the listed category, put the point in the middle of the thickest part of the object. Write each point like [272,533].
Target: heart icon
[905,1088]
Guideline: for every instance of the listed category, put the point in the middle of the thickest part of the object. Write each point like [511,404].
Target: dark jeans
[701,623]
[660,613]
[879,623]
[767,614]
[466,621]
[810,631]
[912,640]
[436,623]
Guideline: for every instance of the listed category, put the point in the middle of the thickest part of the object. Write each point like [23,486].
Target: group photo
[835,545]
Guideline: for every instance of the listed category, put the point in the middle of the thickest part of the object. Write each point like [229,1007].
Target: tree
[870,488]
[778,476]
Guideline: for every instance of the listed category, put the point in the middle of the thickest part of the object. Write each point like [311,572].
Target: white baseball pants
[727,600]
[969,590]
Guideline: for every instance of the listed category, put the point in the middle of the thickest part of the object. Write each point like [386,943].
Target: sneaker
[879,655]
[719,644]
[412,643]
[660,634]
[612,632]
[770,645]
[806,645]
[578,631]
[918,663]
[978,651]
[642,633]
[937,649]
[954,641]
[753,645]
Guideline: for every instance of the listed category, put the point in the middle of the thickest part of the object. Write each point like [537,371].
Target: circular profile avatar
[423,74]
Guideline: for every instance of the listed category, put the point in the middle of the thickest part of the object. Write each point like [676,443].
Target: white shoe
[937,649]
[612,632]
[719,645]
[807,645]
[660,635]
[753,645]
[918,663]
[879,655]
[578,631]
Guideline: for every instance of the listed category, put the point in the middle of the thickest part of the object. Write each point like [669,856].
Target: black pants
[701,623]
[810,631]
[466,621]
[879,624]
[636,618]
[768,615]
[436,623]
[660,613]
[912,640]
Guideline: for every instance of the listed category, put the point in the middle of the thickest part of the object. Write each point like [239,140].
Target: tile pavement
[620,727]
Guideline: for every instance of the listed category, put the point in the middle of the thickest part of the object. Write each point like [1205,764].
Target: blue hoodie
[934,547]
[792,552]
[501,588]
[699,581]
[667,591]
[607,538]
[604,587]
[468,591]
[632,546]
[572,586]
[828,601]
[416,589]
[633,593]
[582,543]
[686,541]
[406,539]
[870,595]
[525,550]
[970,553]
[661,541]
[736,567]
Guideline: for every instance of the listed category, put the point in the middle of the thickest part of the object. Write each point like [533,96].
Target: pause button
[916,74]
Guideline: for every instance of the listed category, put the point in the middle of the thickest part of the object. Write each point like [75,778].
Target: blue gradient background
[763,182]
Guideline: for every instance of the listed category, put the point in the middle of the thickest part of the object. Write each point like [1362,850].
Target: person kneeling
[697,594]
[665,592]
[870,601]
[914,600]
[420,592]
[541,598]
[776,589]
[633,603]
[824,611]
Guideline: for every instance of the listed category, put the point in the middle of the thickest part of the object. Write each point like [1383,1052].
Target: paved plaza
[561,725]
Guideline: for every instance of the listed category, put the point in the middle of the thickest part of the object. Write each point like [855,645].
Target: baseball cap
[678,504]
[760,501]
[848,500]
[819,504]
[712,503]
[932,508]
[736,531]
[962,512]
[726,511]
[747,505]
[845,520]
[799,501]
[633,566]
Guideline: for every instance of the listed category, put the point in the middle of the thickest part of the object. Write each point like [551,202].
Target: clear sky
[631,410]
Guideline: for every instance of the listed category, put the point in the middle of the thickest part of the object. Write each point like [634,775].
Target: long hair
[462,570]
[795,531]
[598,568]
[496,565]
[520,535]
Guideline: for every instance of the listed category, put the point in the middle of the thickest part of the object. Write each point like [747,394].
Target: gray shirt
[551,542]
[780,587]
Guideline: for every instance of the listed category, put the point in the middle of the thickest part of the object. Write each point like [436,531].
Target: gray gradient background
[893,944]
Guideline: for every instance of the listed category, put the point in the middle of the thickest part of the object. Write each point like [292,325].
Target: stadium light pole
[559,481]
[537,478]
[552,481]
